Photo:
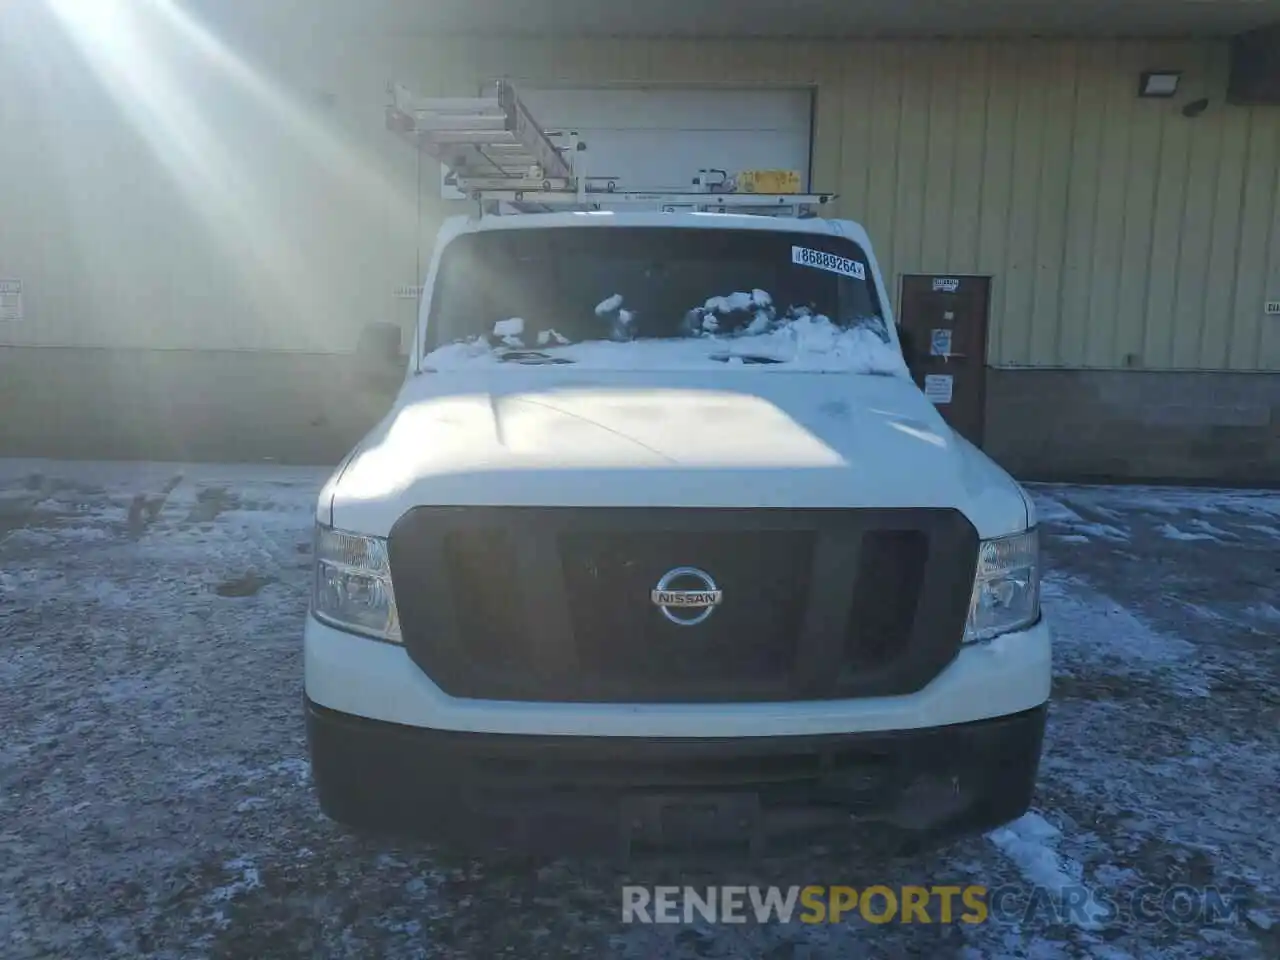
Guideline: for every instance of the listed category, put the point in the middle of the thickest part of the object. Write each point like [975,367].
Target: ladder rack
[504,160]
[481,138]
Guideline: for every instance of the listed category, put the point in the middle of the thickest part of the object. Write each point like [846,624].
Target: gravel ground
[154,786]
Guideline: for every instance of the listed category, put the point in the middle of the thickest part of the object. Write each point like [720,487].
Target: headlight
[353,584]
[1006,587]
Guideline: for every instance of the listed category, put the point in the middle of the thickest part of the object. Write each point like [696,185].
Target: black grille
[885,593]
[620,635]
[554,604]
[481,568]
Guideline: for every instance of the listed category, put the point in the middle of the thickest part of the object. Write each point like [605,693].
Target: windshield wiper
[744,358]
[531,357]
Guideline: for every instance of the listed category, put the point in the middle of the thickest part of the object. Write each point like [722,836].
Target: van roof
[455,226]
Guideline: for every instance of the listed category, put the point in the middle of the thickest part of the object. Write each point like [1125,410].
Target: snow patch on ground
[1102,531]
[34,538]
[1052,510]
[1090,627]
[1264,611]
[1261,919]
[1170,532]
[1209,501]
[1110,875]
[1204,526]
[1069,525]
[249,879]
[1030,842]
[1205,613]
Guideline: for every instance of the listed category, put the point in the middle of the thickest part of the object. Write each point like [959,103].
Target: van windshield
[657,297]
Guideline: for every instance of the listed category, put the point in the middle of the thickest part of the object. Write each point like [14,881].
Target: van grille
[555,604]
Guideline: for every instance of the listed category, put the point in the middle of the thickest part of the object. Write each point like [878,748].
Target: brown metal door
[946,320]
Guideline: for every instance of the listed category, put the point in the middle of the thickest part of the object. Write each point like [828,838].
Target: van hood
[553,437]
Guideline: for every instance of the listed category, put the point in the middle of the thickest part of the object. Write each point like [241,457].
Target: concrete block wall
[1133,424]
[183,405]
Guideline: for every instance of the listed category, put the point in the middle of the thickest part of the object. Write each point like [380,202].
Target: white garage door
[661,138]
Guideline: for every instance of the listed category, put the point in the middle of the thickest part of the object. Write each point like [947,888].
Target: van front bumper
[566,794]
[379,681]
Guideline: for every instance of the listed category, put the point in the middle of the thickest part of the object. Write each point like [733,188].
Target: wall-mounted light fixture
[1195,108]
[1159,84]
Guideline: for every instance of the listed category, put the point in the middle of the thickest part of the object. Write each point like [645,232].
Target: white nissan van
[660,542]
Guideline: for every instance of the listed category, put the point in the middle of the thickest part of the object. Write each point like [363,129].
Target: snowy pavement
[154,795]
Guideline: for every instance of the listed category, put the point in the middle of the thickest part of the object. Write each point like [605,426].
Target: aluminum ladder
[503,159]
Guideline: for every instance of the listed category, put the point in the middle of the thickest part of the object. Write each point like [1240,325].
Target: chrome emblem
[674,595]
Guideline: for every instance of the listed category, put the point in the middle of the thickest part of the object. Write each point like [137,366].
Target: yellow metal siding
[1083,197]
[1118,232]
[970,129]
[1251,332]
[1027,87]
[885,107]
[1269,339]
[996,187]
[1192,284]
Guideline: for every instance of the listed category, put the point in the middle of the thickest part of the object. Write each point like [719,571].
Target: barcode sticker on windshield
[828,261]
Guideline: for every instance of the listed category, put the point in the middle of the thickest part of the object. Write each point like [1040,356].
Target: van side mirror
[378,359]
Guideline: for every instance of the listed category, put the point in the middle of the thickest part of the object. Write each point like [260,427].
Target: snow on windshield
[510,331]
[758,304]
[738,328]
